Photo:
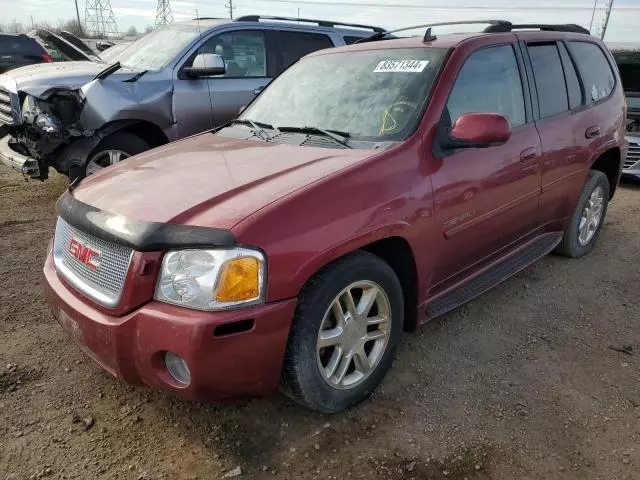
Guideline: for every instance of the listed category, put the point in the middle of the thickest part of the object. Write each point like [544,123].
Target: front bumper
[132,347]
[17,161]
[631,165]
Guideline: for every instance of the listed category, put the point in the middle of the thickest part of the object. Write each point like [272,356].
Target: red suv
[367,190]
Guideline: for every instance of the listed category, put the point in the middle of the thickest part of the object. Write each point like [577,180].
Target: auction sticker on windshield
[415,66]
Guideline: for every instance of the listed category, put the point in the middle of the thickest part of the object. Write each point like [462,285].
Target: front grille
[104,281]
[6,112]
[633,155]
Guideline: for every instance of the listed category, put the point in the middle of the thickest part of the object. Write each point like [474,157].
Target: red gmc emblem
[84,254]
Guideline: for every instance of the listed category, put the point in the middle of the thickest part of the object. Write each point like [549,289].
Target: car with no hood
[368,189]
[179,80]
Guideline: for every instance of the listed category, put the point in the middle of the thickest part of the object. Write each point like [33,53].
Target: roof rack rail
[508,27]
[428,36]
[321,23]
[208,18]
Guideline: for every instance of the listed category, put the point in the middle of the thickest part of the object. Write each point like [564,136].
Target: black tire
[124,141]
[570,245]
[301,379]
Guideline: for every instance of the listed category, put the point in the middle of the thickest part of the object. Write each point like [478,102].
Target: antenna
[99,19]
[164,15]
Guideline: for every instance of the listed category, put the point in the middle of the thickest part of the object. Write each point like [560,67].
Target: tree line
[70,25]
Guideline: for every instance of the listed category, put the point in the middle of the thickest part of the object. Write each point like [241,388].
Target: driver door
[487,198]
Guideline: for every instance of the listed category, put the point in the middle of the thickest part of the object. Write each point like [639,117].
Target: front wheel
[588,217]
[113,149]
[345,332]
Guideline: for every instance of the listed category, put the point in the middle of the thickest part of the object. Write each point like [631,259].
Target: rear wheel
[588,217]
[113,149]
[346,329]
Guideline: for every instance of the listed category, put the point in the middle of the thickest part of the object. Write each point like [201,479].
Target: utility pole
[78,17]
[606,19]
[164,15]
[230,7]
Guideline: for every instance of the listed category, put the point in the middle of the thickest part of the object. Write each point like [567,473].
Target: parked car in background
[628,62]
[179,80]
[18,50]
[60,48]
[368,189]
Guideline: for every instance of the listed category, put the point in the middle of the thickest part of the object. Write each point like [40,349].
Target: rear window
[349,40]
[597,76]
[550,85]
[19,45]
[629,66]
[294,45]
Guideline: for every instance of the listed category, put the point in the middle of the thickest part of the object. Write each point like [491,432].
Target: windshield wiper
[258,127]
[336,135]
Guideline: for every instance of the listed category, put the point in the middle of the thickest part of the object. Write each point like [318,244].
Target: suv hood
[209,180]
[38,79]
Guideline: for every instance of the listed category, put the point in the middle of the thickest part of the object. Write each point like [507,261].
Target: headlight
[212,279]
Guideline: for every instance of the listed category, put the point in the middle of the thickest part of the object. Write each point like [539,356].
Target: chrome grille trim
[633,153]
[104,284]
[6,111]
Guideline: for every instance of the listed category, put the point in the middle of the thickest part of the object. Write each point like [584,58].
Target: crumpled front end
[34,128]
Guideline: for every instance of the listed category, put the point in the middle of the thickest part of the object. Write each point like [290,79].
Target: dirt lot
[521,383]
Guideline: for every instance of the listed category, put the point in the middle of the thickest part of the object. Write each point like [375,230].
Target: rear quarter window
[295,45]
[597,76]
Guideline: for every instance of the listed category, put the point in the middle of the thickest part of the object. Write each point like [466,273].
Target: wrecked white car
[181,79]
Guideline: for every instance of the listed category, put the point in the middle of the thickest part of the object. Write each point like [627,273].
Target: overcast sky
[624,25]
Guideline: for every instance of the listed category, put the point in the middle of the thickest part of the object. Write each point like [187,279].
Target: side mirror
[205,65]
[477,130]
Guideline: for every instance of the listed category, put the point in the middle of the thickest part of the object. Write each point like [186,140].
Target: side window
[597,76]
[294,45]
[571,76]
[489,82]
[547,70]
[349,40]
[244,52]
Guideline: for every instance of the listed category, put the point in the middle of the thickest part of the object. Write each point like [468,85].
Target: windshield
[156,49]
[375,94]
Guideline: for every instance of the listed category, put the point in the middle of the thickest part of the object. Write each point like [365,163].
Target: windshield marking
[414,66]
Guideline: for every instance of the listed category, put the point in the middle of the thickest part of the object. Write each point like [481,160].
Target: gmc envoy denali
[368,189]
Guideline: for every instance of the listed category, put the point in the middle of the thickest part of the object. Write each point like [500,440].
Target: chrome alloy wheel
[104,159]
[591,216]
[353,335]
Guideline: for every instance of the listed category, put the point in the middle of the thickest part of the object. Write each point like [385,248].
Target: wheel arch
[609,163]
[390,244]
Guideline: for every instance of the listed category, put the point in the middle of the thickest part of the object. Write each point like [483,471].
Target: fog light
[177,368]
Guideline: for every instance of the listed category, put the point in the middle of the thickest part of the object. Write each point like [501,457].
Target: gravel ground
[524,382]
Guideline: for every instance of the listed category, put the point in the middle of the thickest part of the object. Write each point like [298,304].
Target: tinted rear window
[597,76]
[294,45]
[550,85]
[629,66]
[571,76]
[19,45]
[349,40]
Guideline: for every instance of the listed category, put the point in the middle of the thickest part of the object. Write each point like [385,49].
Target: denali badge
[85,254]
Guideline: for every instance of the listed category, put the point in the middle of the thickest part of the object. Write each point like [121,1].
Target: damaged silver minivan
[179,80]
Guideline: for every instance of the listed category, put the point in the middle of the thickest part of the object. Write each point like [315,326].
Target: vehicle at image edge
[19,50]
[628,62]
[368,189]
[178,80]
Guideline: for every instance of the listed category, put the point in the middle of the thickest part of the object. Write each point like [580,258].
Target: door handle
[528,154]
[592,132]
[258,90]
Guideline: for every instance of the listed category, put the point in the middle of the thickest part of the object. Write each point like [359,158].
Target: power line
[445,7]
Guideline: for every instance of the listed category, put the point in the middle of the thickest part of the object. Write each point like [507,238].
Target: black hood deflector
[140,235]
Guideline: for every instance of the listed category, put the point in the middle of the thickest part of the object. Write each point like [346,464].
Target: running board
[493,275]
